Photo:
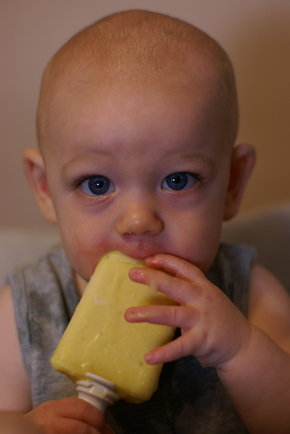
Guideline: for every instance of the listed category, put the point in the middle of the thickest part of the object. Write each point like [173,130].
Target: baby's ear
[35,171]
[242,162]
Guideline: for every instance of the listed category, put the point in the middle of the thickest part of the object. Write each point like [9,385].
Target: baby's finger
[174,316]
[177,266]
[180,347]
[84,412]
[176,289]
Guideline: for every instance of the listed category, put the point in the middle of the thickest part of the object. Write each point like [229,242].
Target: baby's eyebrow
[199,157]
[72,163]
[81,159]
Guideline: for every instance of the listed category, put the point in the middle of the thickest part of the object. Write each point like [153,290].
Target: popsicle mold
[100,341]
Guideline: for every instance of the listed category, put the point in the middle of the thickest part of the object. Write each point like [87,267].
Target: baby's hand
[67,416]
[213,329]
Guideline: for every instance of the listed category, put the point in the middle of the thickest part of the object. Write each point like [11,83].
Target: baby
[137,121]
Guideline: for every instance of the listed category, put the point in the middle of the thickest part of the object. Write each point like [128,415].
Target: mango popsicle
[98,339]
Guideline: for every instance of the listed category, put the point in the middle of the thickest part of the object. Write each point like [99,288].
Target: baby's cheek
[199,249]
[80,256]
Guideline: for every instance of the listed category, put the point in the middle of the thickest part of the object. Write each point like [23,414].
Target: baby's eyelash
[78,181]
[197,176]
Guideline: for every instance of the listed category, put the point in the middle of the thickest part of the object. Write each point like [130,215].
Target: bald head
[143,49]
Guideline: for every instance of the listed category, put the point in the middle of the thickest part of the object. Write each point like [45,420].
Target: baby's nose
[139,219]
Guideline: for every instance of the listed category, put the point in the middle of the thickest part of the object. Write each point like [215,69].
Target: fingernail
[136,273]
[131,315]
[148,358]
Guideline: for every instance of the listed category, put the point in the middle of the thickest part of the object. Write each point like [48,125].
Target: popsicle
[98,339]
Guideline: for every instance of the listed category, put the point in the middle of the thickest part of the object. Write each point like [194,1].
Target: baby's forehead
[138,48]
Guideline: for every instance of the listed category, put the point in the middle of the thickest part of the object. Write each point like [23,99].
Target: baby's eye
[179,181]
[97,185]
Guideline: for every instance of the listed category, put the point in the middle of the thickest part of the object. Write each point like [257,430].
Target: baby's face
[140,172]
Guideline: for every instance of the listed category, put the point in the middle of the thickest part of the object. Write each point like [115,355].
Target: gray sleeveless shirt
[189,399]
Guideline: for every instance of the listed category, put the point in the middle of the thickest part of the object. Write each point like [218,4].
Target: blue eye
[179,181]
[97,186]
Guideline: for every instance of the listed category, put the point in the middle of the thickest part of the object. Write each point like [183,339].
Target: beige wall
[255,33]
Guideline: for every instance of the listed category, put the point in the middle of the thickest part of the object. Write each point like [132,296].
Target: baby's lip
[139,249]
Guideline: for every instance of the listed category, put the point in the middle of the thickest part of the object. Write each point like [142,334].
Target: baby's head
[136,124]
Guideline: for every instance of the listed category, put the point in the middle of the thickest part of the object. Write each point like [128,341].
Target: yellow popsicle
[99,340]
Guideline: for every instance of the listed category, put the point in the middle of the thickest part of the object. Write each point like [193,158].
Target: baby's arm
[16,393]
[258,379]
[53,417]
[254,369]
